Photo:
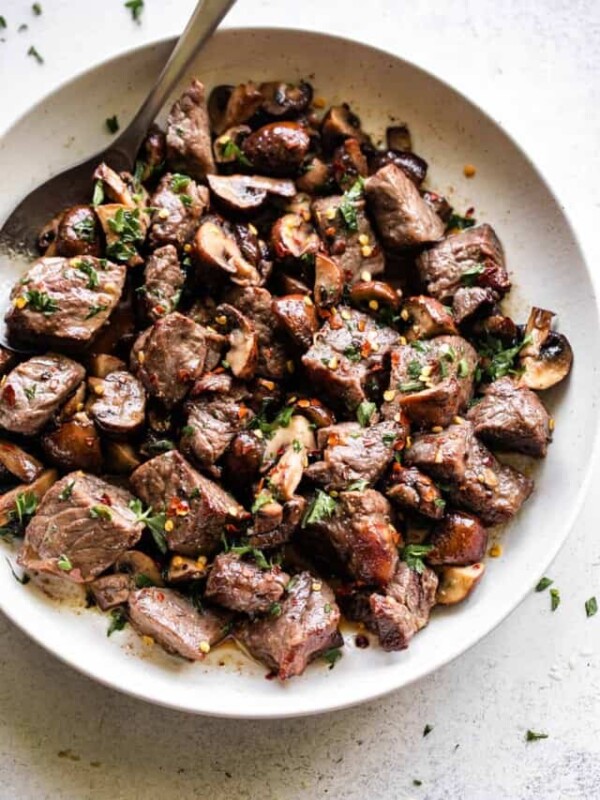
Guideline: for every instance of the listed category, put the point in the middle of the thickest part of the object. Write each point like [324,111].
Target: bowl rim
[369,692]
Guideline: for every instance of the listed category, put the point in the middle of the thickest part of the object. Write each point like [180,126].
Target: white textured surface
[534,66]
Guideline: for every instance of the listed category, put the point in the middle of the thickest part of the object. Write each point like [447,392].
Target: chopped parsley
[154,522]
[456,222]
[118,620]
[2,22]
[533,736]
[136,7]
[67,491]
[352,353]
[30,391]
[112,124]
[92,275]
[100,511]
[297,446]
[332,656]
[543,583]
[257,555]
[126,225]
[357,486]
[417,782]
[37,9]
[64,563]
[554,599]
[85,229]
[275,609]
[413,554]
[497,360]
[143,581]
[470,275]
[263,499]
[179,182]
[188,430]
[96,309]
[427,730]
[348,208]
[98,195]
[463,368]
[439,502]
[591,607]
[282,420]
[35,54]
[231,151]
[411,386]
[322,507]
[414,368]
[41,302]
[365,412]
[389,438]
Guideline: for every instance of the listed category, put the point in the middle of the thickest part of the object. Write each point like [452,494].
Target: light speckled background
[534,64]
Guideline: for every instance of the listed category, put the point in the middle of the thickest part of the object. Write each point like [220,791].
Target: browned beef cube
[163,282]
[306,627]
[119,403]
[110,591]
[442,455]
[354,249]
[458,539]
[361,533]
[169,356]
[64,301]
[512,417]
[172,621]
[179,203]
[81,527]
[189,147]
[34,390]
[353,453]
[347,352]
[473,257]
[412,490]
[197,507]
[468,300]
[243,586]
[402,217]
[431,381]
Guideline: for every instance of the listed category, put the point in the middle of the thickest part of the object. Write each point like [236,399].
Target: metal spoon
[19,234]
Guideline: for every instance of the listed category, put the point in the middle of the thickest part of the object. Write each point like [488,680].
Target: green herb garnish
[413,554]
[257,555]
[179,182]
[41,301]
[35,54]
[427,730]
[591,607]
[322,507]
[460,223]
[118,620]
[282,420]
[263,499]
[100,511]
[85,229]
[364,412]
[98,195]
[275,609]
[470,275]
[554,599]
[67,491]
[143,581]
[498,361]
[543,583]
[348,208]
[352,353]
[357,486]
[37,9]
[411,386]
[64,563]
[92,275]
[533,736]
[462,369]
[154,522]
[94,310]
[126,225]
[136,7]
[112,124]
[231,150]
[30,391]
[332,656]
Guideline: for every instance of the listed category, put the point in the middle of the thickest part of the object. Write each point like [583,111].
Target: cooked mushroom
[246,193]
[291,284]
[341,123]
[242,355]
[121,457]
[115,187]
[315,176]
[278,148]
[374,294]
[398,138]
[315,412]
[78,233]
[426,317]
[547,358]
[348,164]
[215,246]
[285,99]
[243,460]
[329,281]
[139,566]
[19,463]
[232,105]
[293,237]
[297,315]
[456,583]
[458,539]
[103,364]
[74,444]
[411,164]
[75,403]
[37,488]
[118,403]
[182,569]
[47,236]
[497,325]
[285,477]
[227,148]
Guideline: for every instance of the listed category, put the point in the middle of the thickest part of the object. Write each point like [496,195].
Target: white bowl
[547,268]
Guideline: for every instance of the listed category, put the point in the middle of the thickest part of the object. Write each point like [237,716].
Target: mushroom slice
[329,281]
[315,412]
[296,313]
[315,176]
[426,317]
[547,358]
[231,105]
[75,403]
[245,193]
[74,444]
[216,247]
[373,294]
[46,240]
[37,488]
[140,567]
[121,457]
[341,123]
[295,440]
[103,364]
[298,430]
[114,186]
[19,463]
[182,569]
[398,138]
[293,237]
[227,148]
[285,99]
[456,583]
[242,355]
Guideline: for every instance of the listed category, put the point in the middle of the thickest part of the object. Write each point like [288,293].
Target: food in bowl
[266,379]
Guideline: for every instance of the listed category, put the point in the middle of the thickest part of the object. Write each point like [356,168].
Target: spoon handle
[204,20]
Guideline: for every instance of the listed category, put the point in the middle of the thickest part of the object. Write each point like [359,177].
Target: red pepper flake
[366,349]
[333,439]
[160,310]
[178,507]
[303,403]
[160,597]
[396,467]
[242,412]
[231,528]
[336,322]
[330,231]
[8,395]
[105,499]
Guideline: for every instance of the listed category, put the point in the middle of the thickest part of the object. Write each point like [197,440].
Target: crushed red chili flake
[105,499]
[178,507]
[8,395]
[365,349]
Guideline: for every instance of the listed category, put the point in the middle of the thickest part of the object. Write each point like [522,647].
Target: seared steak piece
[243,459]
[81,527]
[412,490]
[169,357]
[353,453]
[443,455]
[179,203]
[78,233]
[110,591]
[35,389]
[459,539]
[198,508]
[64,301]
[363,536]
[175,624]
[512,417]
[348,351]
[306,627]
[243,586]
[344,242]
[256,304]
[431,381]
[163,282]
[7,359]
[402,217]
[189,147]
[473,257]
[213,421]
[297,318]
[468,300]
[426,317]
[119,404]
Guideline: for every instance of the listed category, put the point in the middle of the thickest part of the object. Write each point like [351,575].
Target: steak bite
[412,490]
[353,453]
[348,351]
[352,246]
[189,147]
[178,204]
[169,357]
[402,217]
[197,509]
[442,455]
[163,282]
[360,531]
[81,527]
[306,627]
[473,257]
[243,586]
[459,539]
[431,381]
[34,390]
[512,417]
[119,403]
[63,302]
[171,620]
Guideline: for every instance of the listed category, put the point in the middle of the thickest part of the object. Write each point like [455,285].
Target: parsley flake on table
[112,123]
[427,730]
[117,622]
[534,736]
[554,599]
[135,7]
[37,9]
[35,54]
[591,607]
[543,583]
[332,656]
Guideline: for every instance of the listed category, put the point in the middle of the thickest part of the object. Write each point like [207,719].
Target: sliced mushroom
[348,164]
[228,146]
[341,123]
[548,358]
[374,294]
[413,166]
[74,444]
[285,99]
[246,193]
[232,105]
[47,236]
[291,284]
[121,457]
[215,246]
[298,430]
[78,233]
[398,138]
[182,569]
[75,403]
[297,315]
[115,187]
[278,148]
[499,326]
[118,403]
[138,565]
[19,463]
[315,412]
[37,488]
[293,237]
[265,536]
[103,364]
[426,317]
[286,475]
[456,583]
[458,539]
[315,176]
[329,281]
[242,355]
